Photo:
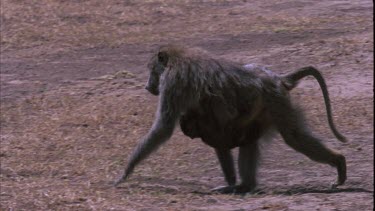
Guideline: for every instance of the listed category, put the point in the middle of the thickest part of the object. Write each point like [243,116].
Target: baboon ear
[163,58]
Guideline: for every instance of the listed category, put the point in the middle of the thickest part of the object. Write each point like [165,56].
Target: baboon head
[156,66]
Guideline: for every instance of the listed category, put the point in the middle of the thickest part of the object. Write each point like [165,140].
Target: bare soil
[73,105]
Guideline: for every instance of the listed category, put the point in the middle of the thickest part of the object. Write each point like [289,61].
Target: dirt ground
[73,104]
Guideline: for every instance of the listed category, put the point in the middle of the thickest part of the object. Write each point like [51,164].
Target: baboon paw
[334,185]
[223,189]
[236,189]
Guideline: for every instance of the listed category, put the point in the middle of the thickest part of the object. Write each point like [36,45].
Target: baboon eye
[163,58]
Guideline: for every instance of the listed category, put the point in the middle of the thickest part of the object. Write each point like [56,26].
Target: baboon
[228,105]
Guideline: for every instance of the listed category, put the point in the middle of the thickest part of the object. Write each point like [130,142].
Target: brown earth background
[73,104]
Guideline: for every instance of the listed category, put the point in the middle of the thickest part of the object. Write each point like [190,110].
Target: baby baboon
[228,105]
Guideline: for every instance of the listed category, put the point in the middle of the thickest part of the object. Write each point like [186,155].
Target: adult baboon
[228,105]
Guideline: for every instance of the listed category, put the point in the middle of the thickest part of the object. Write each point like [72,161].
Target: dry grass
[60,25]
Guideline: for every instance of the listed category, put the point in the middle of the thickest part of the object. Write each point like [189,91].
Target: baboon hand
[121,179]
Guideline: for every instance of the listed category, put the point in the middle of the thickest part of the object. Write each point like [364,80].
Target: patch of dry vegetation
[77,141]
[59,25]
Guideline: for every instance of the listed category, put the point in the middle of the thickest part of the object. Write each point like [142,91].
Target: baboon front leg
[290,124]
[159,133]
[227,166]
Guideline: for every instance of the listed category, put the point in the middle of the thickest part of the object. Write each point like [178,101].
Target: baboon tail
[291,81]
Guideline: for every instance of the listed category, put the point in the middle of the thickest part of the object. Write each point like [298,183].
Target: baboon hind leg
[289,122]
[247,166]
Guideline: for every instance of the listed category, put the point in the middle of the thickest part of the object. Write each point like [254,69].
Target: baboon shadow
[166,185]
[196,187]
[296,191]
[300,190]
